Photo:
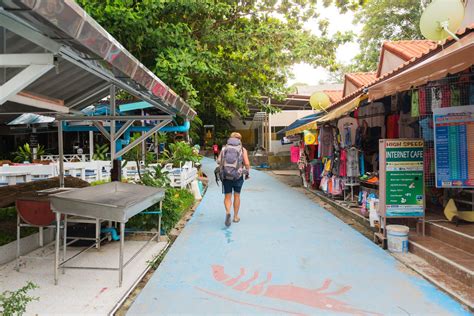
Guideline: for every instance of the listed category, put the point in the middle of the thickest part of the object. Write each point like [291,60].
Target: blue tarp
[301,121]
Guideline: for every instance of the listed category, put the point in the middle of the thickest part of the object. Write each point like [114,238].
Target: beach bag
[231,164]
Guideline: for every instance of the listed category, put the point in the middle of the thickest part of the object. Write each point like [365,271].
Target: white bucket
[397,238]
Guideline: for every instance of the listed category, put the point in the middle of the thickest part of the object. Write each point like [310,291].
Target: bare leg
[236,205]
[228,202]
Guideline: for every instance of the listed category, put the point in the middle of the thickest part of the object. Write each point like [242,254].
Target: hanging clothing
[415,104]
[392,126]
[404,101]
[405,130]
[303,160]
[327,141]
[294,154]
[422,100]
[311,152]
[324,184]
[455,96]
[343,163]
[352,162]
[426,125]
[336,163]
[347,127]
[445,96]
[362,163]
[436,97]
[336,186]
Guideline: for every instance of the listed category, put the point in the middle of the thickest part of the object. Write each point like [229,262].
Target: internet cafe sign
[401,178]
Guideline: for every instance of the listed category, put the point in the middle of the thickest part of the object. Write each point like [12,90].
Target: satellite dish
[319,101]
[441,19]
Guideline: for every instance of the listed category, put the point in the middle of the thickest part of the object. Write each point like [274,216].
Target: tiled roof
[409,49]
[401,68]
[406,50]
[360,79]
[334,95]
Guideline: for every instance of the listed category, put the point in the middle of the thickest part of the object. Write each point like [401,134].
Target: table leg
[56,253]
[97,233]
[159,221]
[40,235]
[122,242]
[18,220]
[64,240]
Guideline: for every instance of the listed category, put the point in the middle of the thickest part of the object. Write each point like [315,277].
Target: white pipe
[91,145]
[61,154]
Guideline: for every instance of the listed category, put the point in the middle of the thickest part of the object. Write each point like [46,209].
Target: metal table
[115,202]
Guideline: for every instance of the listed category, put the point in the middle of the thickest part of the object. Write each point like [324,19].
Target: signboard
[454,146]
[33,140]
[401,178]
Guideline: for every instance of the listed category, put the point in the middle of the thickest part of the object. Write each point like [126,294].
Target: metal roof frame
[28,28]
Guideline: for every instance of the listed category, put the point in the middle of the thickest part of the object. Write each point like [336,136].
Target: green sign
[404,183]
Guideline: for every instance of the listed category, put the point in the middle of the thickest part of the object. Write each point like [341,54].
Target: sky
[305,73]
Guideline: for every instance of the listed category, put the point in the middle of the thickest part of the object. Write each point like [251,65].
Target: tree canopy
[219,55]
[384,20]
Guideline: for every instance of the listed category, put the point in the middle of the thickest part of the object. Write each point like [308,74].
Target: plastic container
[397,238]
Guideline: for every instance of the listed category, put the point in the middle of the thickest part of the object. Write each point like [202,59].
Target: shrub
[25,153]
[175,204]
[179,153]
[14,303]
[101,152]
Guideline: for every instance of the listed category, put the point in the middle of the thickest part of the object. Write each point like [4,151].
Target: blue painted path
[286,256]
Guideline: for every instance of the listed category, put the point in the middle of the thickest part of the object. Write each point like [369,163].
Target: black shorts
[235,185]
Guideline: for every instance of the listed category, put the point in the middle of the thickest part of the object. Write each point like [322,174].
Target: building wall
[283,119]
[390,62]
[350,87]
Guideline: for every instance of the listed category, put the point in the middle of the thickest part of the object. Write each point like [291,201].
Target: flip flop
[227,220]
[236,220]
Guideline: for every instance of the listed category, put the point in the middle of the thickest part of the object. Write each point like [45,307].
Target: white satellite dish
[441,19]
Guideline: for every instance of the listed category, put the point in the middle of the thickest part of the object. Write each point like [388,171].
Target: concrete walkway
[286,256]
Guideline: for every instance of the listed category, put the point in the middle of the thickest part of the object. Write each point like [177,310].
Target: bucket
[397,238]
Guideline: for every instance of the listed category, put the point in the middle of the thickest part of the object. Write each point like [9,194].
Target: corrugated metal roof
[89,58]
[31,118]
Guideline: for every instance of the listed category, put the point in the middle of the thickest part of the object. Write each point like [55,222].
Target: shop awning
[455,58]
[304,123]
[342,110]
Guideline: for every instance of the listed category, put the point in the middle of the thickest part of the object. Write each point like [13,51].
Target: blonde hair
[236,135]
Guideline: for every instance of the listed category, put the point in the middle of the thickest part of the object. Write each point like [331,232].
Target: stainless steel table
[115,202]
